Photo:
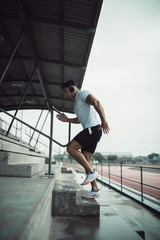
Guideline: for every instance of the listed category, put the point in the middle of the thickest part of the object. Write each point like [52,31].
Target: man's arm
[98,107]
[64,118]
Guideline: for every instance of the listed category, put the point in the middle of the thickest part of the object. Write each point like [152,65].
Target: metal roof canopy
[42,45]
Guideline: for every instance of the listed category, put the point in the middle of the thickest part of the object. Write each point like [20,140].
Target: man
[90,114]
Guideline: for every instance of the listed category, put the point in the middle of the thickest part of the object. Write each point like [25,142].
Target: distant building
[125,160]
[142,159]
[118,154]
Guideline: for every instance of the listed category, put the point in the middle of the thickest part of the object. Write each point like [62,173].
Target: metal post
[21,124]
[141,183]
[30,132]
[121,179]
[101,170]
[109,174]
[12,54]
[69,133]
[41,130]
[16,129]
[50,144]
[35,127]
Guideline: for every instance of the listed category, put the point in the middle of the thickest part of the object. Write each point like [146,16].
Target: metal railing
[35,129]
[50,138]
[121,182]
[16,131]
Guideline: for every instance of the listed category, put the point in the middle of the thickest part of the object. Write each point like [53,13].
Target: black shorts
[88,140]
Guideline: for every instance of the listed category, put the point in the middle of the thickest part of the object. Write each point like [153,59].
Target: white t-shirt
[86,114]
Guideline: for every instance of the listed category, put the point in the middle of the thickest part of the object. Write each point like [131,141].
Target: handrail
[26,124]
[42,143]
[5,126]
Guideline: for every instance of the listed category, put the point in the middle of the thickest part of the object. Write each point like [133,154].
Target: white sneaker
[90,177]
[92,194]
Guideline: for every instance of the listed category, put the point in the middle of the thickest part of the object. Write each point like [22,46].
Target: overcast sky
[124,74]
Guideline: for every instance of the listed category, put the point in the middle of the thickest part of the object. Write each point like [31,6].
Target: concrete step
[67,200]
[11,145]
[64,199]
[13,158]
[25,206]
[86,207]
[20,165]
[21,170]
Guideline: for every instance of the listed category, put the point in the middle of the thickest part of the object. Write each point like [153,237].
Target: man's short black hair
[68,84]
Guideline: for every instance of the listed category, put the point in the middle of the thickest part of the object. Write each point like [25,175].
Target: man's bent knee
[69,148]
[73,146]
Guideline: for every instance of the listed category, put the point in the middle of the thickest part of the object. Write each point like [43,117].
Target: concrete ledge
[11,145]
[87,207]
[20,165]
[18,160]
[47,161]
[64,199]
[14,158]
[21,170]
[67,200]
[65,170]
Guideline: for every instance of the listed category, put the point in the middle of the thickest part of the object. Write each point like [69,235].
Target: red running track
[132,173]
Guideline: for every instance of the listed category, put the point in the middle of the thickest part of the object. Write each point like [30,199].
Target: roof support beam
[12,54]
[39,96]
[35,55]
[50,143]
[22,98]
[56,23]
[49,60]
[64,24]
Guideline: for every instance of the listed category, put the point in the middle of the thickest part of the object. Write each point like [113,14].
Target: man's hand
[105,127]
[62,117]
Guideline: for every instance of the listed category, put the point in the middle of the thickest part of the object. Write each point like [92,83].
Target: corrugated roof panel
[9,102]
[74,74]
[58,38]
[75,46]
[54,90]
[37,88]
[80,11]
[52,72]
[24,48]
[29,67]
[16,70]
[14,28]
[48,40]
[5,47]
[8,7]
[49,8]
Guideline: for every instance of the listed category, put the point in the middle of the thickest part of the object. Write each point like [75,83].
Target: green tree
[98,156]
[112,158]
[153,157]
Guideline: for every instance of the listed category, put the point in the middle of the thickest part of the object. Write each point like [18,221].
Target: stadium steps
[18,159]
